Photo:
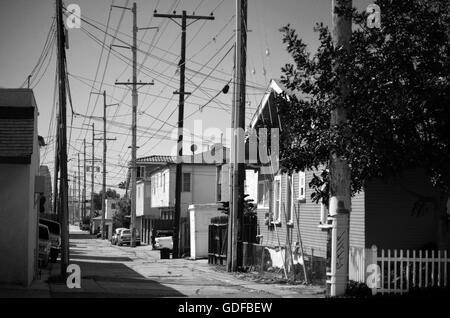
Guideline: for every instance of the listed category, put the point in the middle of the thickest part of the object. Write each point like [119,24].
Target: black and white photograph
[224,154]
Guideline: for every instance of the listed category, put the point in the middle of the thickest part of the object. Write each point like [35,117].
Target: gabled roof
[17,125]
[267,112]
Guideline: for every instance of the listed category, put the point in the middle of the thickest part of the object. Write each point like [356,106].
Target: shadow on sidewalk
[104,280]
[81,236]
[79,256]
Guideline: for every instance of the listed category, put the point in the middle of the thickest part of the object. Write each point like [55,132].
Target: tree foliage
[399,101]
[122,217]
[110,193]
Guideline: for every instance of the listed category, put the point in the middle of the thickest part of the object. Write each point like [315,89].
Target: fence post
[373,260]
[445,268]
[426,268]
[407,270]
[439,268]
[432,268]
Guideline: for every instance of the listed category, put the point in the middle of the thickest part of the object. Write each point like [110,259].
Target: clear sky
[24,25]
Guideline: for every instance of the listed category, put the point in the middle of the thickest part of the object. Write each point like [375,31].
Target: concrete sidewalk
[113,271]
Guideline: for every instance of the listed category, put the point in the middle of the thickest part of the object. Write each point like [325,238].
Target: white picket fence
[400,269]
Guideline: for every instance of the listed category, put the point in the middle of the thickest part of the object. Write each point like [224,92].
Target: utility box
[200,218]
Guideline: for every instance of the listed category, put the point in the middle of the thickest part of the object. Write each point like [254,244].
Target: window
[263,193]
[301,185]
[148,173]
[164,182]
[292,208]
[187,182]
[153,185]
[277,200]
[113,206]
[219,183]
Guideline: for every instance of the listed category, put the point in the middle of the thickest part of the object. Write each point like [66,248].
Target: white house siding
[160,196]
[203,186]
[308,214]
[357,221]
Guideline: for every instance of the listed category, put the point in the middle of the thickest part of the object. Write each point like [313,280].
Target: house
[20,186]
[155,189]
[111,207]
[382,215]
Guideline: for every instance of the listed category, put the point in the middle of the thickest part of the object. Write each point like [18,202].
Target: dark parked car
[44,245]
[55,237]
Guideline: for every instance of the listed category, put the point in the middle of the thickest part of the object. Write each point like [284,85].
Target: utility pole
[92,176]
[340,195]
[63,187]
[134,95]
[104,161]
[84,181]
[79,187]
[235,222]
[179,169]
[56,172]
[74,195]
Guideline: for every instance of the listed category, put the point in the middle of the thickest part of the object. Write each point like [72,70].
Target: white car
[163,242]
[125,237]
[115,237]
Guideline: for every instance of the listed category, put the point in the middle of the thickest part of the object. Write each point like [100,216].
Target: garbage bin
[165,253]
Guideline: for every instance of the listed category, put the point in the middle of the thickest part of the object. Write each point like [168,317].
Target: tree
[110,193]
[399,117]
[122,216]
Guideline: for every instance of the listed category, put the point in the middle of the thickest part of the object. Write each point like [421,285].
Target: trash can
[165,253]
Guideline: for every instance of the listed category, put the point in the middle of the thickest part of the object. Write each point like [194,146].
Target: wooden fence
[217,244]
[400,270]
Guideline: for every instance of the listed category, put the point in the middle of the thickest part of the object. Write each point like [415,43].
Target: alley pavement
[121,271]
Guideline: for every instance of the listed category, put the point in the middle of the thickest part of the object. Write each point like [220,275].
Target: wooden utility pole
[179,169]
[134,95]
[84,181]
[79,188]
[102,226]
[74,195]
[92,175]
[340,192]
[62,149]
[235,222]
[56,173]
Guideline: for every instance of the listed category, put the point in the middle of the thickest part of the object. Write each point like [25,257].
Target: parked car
[160,233]
[85,227]
[116,235]
[44,245]
[125,237]
[163,242]
[55,237]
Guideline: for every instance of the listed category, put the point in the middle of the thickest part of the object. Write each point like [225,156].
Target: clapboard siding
[357,221]
[308,214]
[388,211]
